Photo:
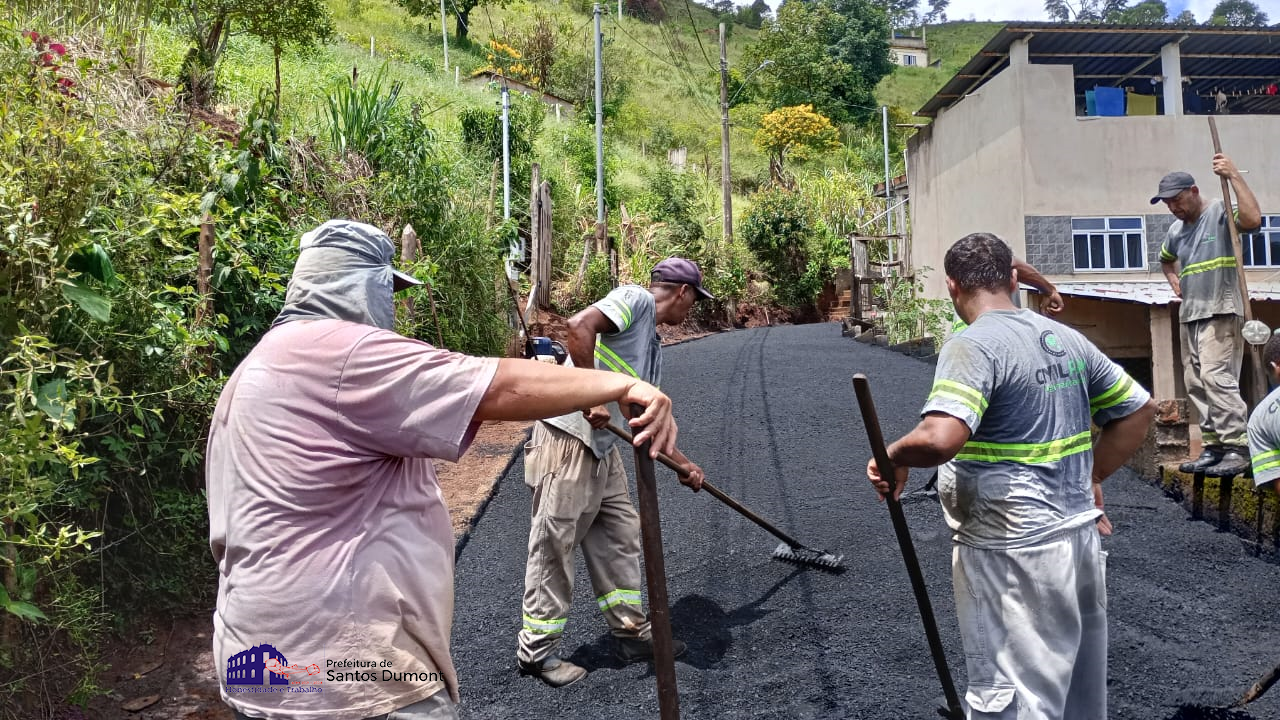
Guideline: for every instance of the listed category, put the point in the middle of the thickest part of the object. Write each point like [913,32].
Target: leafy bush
[672,199]
[783,232]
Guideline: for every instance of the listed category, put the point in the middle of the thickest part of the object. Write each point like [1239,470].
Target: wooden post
[655,575]
[535,227]
[587,242]
[1258,382]
[547,235]
[1164,368]
[409,247]
[204,272]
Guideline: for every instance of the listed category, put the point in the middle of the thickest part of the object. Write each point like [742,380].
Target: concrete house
[1054,136]
[909,51]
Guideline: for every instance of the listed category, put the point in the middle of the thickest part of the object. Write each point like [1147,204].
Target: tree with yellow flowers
[795,131]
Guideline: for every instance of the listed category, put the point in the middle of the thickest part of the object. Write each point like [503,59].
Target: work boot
[1235,460]
[554,671]
[1210,456]
[634,650]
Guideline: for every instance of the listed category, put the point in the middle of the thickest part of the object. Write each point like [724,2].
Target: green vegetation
[132,130]
[952,44]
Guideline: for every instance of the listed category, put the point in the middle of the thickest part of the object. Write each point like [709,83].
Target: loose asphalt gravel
[771,417]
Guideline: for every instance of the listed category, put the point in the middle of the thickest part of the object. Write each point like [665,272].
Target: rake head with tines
[790,550]
[801,555]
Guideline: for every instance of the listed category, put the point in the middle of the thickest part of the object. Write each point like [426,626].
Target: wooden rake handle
[655,574]
[862,388]
[715,492]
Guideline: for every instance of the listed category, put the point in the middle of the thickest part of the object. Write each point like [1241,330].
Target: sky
[1034,9]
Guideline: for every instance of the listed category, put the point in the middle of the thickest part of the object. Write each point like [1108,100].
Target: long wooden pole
[871,421]
[655,575]
[1258,383]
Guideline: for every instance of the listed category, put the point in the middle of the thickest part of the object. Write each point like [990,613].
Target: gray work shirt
[1264,440]
[1027,387]
[633,349]
[1207,262]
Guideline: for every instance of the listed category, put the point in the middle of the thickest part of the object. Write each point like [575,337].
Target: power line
[646,48]
[683,71]
[697,35]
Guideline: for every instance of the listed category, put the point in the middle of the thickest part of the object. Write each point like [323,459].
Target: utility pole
[444,35]
[619,10]
[513,247]
[888,196]
[506,151]
[726,180]
[599,126]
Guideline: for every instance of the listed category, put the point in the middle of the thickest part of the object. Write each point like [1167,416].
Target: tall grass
[358,113]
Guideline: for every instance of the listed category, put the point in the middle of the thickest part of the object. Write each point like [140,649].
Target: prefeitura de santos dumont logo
[263,668]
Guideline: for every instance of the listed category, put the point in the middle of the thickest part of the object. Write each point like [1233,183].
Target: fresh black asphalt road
[771,417]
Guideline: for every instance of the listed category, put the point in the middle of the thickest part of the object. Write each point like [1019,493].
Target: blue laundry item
[1090,103]
[1110,101]
[1191,102]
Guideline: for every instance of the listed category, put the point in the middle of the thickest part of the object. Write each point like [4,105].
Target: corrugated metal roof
[1243,62]
[1148,292]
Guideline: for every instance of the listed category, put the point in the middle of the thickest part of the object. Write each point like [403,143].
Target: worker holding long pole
[1013,401]
[1200,262]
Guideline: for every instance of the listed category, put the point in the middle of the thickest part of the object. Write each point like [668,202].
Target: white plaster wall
[1112,165]
[966,176]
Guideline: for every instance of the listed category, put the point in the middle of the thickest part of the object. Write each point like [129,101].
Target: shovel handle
[715,492]
[862,388]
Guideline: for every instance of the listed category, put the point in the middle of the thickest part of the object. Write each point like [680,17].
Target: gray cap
[362,239]
[1172,184]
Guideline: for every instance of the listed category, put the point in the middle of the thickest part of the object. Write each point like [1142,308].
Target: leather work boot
[1235,460]
[554,671]
[1210,456]
[634,650]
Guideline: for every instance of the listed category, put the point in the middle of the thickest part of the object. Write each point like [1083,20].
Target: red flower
[58,48]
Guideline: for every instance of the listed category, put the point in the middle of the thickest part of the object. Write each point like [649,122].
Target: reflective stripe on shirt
[611,359]
[963,394]
[1266,461]
[1218,263]
[1114,395]
[1026,453]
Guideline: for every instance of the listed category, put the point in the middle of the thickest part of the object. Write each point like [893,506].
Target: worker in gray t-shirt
[1198,259]
[1264,426]
[580,496]
[1012,402]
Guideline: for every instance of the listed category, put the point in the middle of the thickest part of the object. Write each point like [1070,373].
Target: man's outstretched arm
[527,390]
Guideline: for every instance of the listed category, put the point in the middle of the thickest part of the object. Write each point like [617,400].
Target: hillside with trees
[162,160]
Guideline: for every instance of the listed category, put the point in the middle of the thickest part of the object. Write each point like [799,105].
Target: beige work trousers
[1212,350]
[578,501]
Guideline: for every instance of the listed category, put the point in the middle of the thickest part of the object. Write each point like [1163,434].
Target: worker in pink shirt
[332,540]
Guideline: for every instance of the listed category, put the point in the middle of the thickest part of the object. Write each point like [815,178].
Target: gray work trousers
[578,501]
[1212,351]
[436,707]
[1033,622]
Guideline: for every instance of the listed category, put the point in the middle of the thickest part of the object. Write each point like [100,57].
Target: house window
[1109,243]
[908,59]
[1262,246]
